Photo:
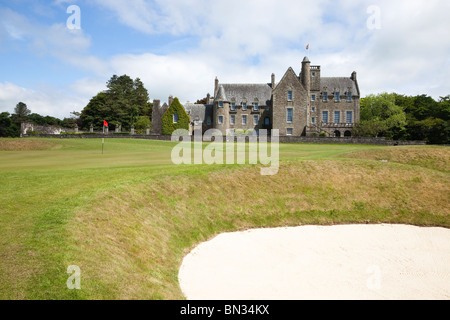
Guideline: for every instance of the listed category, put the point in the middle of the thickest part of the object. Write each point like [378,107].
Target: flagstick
[103,143]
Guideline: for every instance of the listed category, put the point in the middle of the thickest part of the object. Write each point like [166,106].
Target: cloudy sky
[57,54]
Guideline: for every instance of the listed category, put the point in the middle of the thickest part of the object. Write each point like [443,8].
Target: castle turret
[221,110]
[305,75]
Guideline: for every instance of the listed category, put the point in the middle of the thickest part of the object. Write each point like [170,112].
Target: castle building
[303,104]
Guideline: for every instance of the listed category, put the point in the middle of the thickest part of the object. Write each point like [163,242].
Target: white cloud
[47,101]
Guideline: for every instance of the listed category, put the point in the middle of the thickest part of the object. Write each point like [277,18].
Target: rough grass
[133,243]
[25,145]
[432,157]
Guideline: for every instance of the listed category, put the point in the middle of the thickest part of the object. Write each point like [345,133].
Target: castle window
[313,120]
[325,116]
[244,106]
[337,117]
[349,96]
[255,120]
[337,97]
[220,104]
[290,131]
[349,117]
[325,96]
[313,109]
[255,106]
[208,121]
[233,120]
[267,121]
[289,115]
[244,119]
[313,97]
[313,74]
[289,96]
[175,118]
[220,120]
[233,106]
[197,122]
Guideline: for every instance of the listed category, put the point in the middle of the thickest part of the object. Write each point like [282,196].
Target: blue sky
[178,47]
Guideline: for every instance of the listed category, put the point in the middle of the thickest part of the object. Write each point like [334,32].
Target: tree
[202,101]
[22,111]
[123,102]
[369,128]
[7,126]
[381,116]
[95,112]
[142,123]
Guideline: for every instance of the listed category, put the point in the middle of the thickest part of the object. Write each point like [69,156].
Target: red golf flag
[307,47]
[105,124]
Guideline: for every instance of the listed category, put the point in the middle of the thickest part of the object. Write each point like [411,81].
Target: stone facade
[299,105]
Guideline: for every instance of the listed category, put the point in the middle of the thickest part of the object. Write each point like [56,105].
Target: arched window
[337,134]
[347,133]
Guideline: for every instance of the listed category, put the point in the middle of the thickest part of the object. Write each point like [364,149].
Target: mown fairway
[128,217]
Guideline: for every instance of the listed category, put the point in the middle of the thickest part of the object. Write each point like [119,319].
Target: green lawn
[128,216]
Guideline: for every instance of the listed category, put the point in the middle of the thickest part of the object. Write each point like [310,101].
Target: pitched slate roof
[341,84]
[202,111]
[250,92]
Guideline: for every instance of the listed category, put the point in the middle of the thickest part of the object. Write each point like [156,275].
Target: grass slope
[128,217]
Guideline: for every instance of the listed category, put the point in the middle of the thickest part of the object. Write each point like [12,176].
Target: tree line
[125,102]
[10,123]
[400,117]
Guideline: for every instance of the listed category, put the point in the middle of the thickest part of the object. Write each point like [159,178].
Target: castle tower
[305,75]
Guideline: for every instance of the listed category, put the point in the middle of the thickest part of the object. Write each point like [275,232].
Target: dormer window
[220,104]
[233,106]
[255,106]
[244,105]
[349,97]
[325,96]
[337,96]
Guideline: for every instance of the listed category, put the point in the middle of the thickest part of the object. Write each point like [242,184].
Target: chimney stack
[216,87]
[170,100]
[273,80]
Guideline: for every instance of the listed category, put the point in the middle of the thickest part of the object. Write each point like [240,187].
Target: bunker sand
[381,262]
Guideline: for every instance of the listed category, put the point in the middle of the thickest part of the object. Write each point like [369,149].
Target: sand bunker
[312,262]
